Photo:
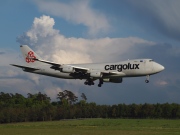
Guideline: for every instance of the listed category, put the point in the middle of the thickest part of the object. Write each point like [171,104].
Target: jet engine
[113,80]
[96,74]
[67,69]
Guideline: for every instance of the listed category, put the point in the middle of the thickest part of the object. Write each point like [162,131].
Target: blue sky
[81,31]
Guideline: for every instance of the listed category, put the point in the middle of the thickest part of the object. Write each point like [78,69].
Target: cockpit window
[150,60]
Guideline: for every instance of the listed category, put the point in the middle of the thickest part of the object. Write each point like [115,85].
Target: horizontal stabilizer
[24,67]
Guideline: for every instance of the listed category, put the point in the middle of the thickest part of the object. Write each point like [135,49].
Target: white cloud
[42,27]
[78,12]
[34,77]
[161,83]
[55,47]
[7,58]
[11,55]
[52,92]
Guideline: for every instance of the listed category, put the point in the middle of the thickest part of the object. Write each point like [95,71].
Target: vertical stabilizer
[29,55]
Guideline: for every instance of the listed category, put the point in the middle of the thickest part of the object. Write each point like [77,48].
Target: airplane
[104,72]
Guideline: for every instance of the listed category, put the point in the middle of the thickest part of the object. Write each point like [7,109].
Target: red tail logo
[30,57]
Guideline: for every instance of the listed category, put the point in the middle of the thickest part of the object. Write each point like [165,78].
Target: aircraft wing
[57,66]
[48,62]
[25,67]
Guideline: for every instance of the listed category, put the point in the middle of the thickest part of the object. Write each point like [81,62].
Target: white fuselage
[129,68]
[104,72]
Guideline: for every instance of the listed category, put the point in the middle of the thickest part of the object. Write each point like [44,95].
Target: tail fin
[29,55]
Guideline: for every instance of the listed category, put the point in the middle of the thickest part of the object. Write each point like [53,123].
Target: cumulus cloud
[77,12]
[75,50]
[42,27]
[52,92]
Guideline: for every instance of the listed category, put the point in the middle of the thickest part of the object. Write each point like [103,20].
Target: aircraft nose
[158,67]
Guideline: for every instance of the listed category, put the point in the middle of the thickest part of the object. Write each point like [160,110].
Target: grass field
[94,127]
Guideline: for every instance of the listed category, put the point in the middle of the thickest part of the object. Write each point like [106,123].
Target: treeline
[38,107]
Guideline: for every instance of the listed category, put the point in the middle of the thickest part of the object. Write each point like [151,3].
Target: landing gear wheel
[85,83]
[89,82]
[147,81]
[99,85]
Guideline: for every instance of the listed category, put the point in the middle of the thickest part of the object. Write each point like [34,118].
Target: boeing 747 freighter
[104,72]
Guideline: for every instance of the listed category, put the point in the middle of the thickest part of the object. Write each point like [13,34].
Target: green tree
[67,96]
[83,96]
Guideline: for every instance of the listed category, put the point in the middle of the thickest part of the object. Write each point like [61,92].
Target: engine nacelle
[96,74]
[68,69]
[113,80]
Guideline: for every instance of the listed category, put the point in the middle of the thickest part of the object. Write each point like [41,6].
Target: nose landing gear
[147,79]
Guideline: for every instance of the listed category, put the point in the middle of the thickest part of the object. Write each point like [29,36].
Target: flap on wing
[80,68]
[25,67]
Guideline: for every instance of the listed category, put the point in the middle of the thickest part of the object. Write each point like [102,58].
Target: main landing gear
[100,82]
[91,82]
[147,79]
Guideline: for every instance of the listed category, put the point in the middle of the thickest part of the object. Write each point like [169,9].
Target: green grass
[94,127]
